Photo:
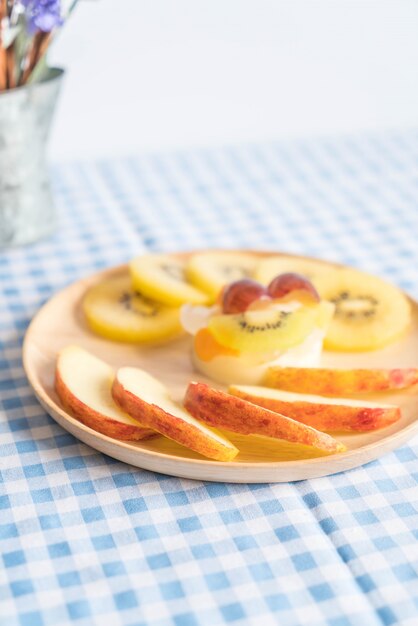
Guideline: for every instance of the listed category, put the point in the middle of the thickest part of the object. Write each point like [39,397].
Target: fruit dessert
[253,327]
[257,324]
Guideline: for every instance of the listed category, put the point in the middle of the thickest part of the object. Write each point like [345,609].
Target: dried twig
[3,59]
[38,48]
[11,67]
[3,68]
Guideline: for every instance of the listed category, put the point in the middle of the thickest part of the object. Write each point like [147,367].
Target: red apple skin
[338,382]
[169,425]
[331,418]
[222,410]
[97,421]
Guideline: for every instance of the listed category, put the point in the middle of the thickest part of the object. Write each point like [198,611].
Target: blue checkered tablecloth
[87,540]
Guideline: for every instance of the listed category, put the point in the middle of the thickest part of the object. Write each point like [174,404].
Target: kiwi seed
[174,271]
[252,328]
[144,307]
[233,272]
[367,309]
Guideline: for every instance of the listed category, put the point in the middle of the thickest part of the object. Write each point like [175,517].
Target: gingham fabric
[90,541]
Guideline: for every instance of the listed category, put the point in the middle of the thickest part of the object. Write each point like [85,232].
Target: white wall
[149,75]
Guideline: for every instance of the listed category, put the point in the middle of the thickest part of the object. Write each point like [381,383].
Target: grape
[238,296]
[288,283]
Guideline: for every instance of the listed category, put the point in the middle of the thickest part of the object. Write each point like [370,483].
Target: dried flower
[42,15]
[27,28]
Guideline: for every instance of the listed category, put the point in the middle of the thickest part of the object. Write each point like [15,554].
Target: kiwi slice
[210,271]
[116,311]
[369,312]
[162,278]
[272,266]
[267,330]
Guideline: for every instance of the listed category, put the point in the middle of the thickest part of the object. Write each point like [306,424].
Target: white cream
[195,317]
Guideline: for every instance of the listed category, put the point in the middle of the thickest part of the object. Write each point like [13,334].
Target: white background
[154,75]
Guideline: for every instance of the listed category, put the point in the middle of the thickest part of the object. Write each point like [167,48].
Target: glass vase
[26,204]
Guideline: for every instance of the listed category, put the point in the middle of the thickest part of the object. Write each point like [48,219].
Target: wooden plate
[60,323]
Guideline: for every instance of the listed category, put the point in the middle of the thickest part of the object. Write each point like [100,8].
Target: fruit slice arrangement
[292,391]
[273,306]
[222,410]
[84,383]
[130,404]
[147,400]
[369,312]
[143,304]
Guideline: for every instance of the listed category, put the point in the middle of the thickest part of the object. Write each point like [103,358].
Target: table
[88,540]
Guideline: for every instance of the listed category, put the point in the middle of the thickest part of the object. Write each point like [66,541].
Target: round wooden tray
[60,322]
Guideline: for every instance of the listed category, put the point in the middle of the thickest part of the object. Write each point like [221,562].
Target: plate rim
[46,401]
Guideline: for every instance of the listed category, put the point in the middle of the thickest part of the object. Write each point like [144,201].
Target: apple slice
[83,383]
[334,382]
[320,412]
[223,410]
[146,399]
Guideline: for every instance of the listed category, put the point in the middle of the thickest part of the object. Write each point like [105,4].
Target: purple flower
[42,15]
